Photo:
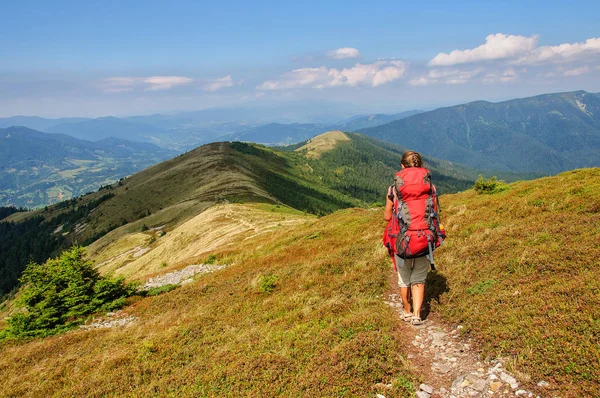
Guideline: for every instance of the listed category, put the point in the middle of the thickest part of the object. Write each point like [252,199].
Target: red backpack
[414,229]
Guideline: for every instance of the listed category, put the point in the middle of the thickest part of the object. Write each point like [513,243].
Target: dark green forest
[35,240]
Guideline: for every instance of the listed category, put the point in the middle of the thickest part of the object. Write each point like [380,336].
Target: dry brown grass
[323,143]
[323,331]
[221,226]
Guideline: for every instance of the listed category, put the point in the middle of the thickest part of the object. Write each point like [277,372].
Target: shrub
[267,283]
[59,294]
[489,185]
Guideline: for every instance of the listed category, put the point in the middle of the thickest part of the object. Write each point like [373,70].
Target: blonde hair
[411,159]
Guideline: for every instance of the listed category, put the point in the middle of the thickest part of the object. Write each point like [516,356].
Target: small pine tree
[57,295]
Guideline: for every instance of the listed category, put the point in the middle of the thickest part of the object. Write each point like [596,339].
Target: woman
[411,272]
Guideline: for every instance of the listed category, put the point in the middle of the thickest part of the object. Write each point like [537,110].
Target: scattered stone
[115,319]
[457,382]
[380,396]
[422,394]
[543,384]
[442,367]
[426,388]
[479,385]
[495,386]
[521,392]
[509,380]
[177,277]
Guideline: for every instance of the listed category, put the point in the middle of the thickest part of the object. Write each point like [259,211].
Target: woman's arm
[387,213]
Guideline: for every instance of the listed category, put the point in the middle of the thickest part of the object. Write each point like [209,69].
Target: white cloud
[419,81]
[152,83]
[522,50]
[566,52]
[220,83]
[507,76]
[375,74]
[577,71]
[156,83]
[446,76]
[497,46]
[343,53]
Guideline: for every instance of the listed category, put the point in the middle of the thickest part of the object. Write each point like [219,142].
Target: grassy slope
[523,275]
[323,331]
[224,225]
[520,271]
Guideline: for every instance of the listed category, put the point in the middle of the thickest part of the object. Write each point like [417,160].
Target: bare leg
[418,294]
[405,293]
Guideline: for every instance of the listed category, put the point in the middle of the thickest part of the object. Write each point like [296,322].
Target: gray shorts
[412,271]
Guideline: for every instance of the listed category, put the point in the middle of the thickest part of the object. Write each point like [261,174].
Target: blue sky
[94,58]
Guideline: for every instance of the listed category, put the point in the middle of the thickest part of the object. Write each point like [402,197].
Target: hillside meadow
[523,266]
[299,309]
[297,312]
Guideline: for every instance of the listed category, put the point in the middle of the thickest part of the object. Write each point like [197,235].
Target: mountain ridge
[546,133]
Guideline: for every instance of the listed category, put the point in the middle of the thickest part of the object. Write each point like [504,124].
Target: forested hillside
[353,173]
[547,133]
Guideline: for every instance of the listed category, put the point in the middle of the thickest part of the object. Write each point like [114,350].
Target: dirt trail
[448,362]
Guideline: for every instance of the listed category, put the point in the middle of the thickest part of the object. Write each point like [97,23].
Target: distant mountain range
[38,169]
[185,131]
[285,134]
[543,134]
[547,133]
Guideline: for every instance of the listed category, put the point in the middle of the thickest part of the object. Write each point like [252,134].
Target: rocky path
[180,277]
[449,364]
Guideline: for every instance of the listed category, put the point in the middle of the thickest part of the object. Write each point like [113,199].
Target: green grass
[155,291]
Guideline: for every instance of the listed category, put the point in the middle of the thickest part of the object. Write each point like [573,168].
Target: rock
[496,368]
[521,392]
[442,367]
[422,394]
[495,386]
[479,385]
[543,384]
[459,327]
[380,396]
[509,380]
[426,388]
[457,382]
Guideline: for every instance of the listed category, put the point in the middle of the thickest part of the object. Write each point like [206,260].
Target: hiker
[417,229]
